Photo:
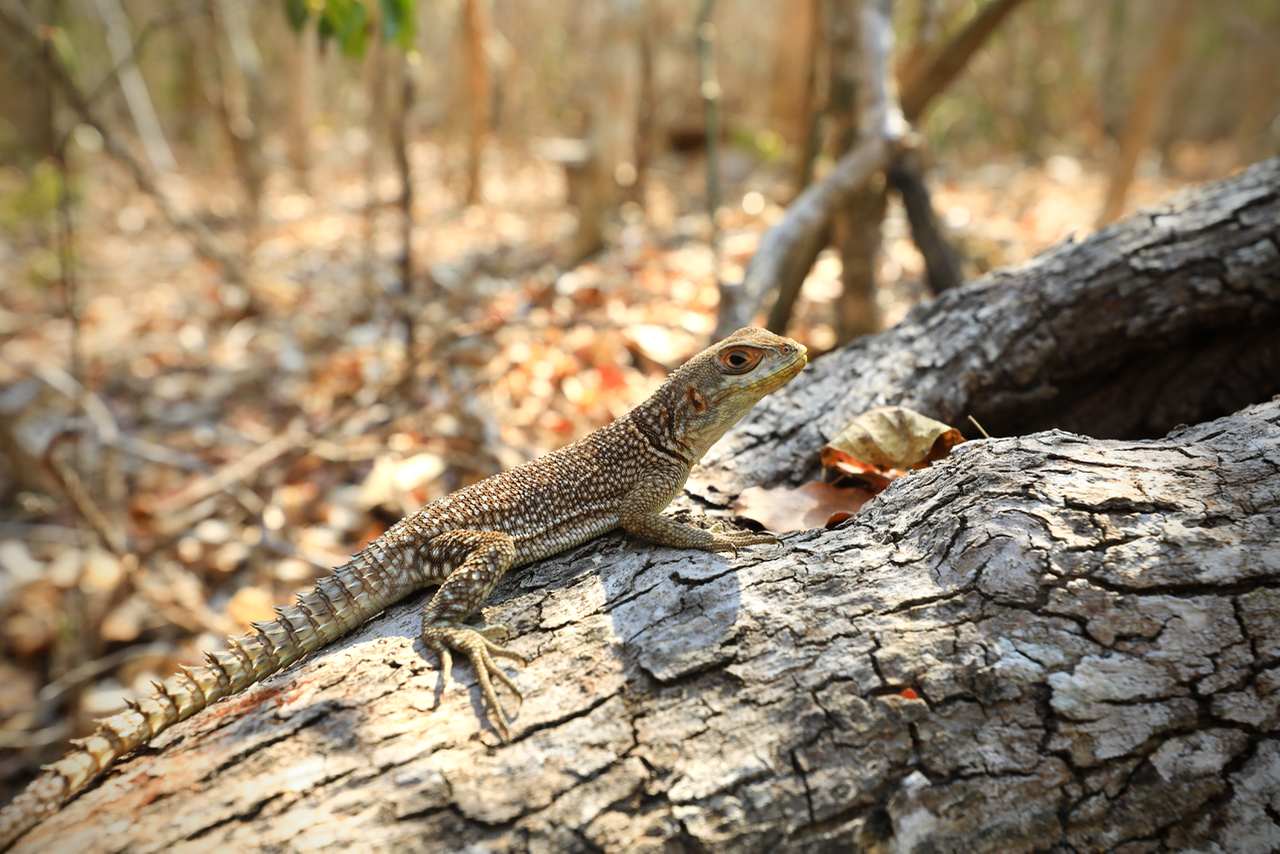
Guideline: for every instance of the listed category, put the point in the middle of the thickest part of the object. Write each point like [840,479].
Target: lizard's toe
[480,650]
[745,538]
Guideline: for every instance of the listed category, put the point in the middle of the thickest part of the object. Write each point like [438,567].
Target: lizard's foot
[476,645]
[729,539]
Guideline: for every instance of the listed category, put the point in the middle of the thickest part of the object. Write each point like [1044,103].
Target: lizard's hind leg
[480,558]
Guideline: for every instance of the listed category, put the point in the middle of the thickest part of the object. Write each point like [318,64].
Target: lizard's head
[713,390]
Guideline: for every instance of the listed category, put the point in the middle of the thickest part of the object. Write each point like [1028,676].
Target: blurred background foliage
[1055,78]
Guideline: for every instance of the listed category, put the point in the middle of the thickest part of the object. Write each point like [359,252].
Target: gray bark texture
[1089,627]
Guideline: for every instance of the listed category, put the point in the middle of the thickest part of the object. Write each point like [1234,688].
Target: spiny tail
[339,603]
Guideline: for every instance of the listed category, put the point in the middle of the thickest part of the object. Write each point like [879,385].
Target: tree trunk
[614,26]
[855,230]
[709,87]
[1044,642]
[302,55]
[790,93]
[475,34]
[788,249]
[646,100]
[1149,96]
[243,102]
[409,299]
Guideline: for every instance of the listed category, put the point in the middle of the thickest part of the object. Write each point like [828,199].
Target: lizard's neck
[662,421]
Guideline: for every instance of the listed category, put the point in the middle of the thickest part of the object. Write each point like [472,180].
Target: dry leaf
[889,437]
[390,481]
[249,604]
[124,624]
[813,505]
[875,479]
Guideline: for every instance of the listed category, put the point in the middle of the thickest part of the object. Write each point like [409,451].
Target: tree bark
[1044,642]
[856,224]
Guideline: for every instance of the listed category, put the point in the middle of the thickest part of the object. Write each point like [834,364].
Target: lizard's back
[550,504]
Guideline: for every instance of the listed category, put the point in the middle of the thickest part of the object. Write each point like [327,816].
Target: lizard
[623,475]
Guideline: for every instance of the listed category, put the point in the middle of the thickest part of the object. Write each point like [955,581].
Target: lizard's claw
[497,631]
[476,645]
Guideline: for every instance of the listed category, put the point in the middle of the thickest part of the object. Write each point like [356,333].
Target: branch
[1024,619]
[133,86]
[1168,317]
[153,25]
[942,262]
[952,58]
[1027,618]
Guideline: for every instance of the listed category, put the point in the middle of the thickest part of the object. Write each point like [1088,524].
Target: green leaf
[326,30]
[350,24]
[398,22]
[297,12]
[353,30]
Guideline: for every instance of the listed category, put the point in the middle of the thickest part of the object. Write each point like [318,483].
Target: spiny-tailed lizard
[622,475]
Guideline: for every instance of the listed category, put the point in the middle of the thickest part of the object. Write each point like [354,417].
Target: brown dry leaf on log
[881,443]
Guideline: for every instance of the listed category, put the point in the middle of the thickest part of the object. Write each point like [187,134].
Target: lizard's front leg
[479,559]
[640,514]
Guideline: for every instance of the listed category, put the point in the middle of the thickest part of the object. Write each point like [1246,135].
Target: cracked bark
[1091,626]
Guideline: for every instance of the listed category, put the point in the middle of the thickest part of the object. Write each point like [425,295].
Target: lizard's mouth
[798,362]
[786,371]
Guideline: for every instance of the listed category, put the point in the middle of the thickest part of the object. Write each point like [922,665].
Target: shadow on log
[1044,642]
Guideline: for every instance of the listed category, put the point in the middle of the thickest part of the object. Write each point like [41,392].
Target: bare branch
[953,57]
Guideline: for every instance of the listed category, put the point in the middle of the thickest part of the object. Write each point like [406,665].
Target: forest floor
[227,457]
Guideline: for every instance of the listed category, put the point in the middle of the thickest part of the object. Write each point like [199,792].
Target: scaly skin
[622,475]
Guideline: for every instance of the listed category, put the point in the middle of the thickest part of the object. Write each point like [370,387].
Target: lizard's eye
[739,360]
